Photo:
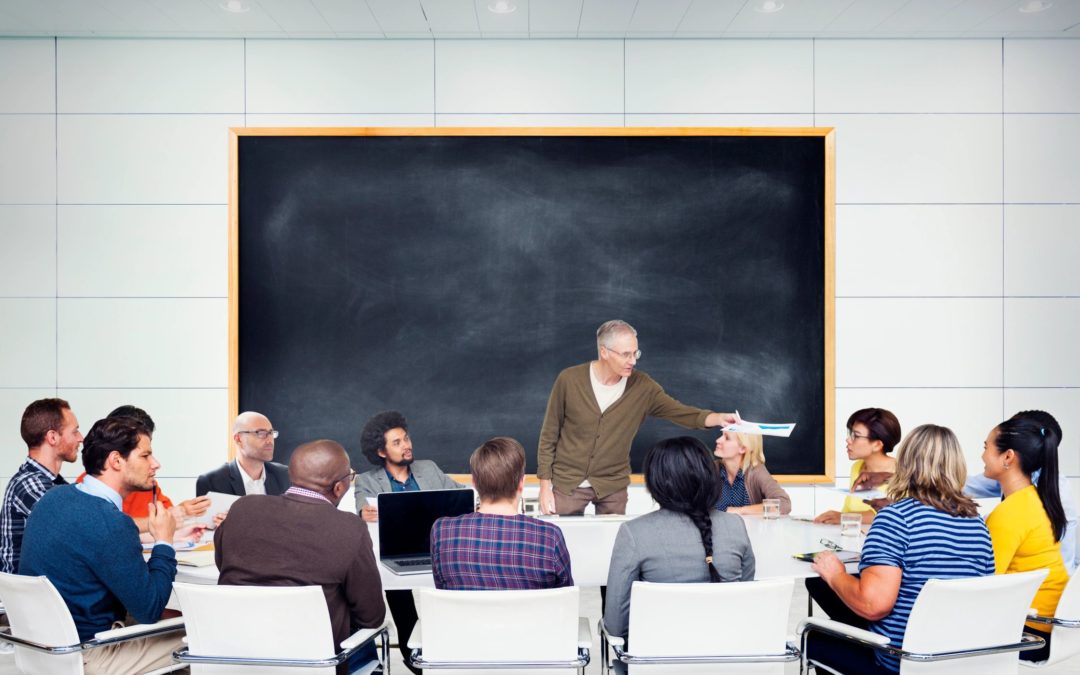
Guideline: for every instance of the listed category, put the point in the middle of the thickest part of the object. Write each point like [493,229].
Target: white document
[760,428]
[219,503]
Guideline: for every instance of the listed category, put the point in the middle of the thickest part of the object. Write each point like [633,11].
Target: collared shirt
[251,485]
[733,494]
[93,486]
[26,487]
[409,485]
[485,551]
[304,492]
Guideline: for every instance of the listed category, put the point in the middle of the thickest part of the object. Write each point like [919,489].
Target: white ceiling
[540,18]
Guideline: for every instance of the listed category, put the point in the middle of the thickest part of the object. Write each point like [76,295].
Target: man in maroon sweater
[300,538]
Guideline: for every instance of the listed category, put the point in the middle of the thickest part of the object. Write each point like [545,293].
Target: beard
[403,462]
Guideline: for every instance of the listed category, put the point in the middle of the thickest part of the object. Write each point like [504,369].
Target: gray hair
[610,329]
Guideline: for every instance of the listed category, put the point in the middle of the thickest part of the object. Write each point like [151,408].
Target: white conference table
[591,539]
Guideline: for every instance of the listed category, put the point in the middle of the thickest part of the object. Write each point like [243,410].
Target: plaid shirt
[481,551]
[25,488]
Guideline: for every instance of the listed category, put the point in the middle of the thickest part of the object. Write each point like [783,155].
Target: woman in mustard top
[1027,526]
[872,434]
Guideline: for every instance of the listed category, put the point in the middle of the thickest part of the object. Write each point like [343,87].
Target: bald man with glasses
[252,472]
[594,412]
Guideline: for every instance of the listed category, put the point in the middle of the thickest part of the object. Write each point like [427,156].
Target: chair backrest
[1066,642]
[729,619]
[504,626]
[281,622]
[956,614]
[37,612]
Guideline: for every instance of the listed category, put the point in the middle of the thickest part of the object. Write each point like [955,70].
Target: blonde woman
[744,480]
[930,531]
[872,433]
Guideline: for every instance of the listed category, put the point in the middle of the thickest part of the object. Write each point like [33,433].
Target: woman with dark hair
[1027,526]
[687,540]
[872,433]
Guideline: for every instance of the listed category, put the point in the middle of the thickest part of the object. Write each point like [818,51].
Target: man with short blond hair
[51,433]
[498,548]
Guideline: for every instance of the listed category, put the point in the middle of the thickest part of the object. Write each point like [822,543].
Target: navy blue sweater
[90,551]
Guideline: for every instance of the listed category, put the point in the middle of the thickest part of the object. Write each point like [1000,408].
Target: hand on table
[827,565]
[828,518]
[189,533]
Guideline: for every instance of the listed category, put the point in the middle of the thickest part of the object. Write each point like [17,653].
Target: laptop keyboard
[412,563]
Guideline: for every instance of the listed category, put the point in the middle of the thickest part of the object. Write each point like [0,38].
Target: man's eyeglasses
[625,356]
[262,434]
[347,477]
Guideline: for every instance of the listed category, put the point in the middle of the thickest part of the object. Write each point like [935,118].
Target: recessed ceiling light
[1035,6]
[501,7]
[235,6]
[769,6]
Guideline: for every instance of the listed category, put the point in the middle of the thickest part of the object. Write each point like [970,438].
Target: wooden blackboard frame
[826,134]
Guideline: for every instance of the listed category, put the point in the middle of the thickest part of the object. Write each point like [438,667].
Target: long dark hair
[1036,445]
[682,477]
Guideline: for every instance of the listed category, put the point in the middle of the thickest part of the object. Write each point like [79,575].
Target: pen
[153,493]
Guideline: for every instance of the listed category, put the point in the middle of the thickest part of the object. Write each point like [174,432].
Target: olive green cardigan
[578,442]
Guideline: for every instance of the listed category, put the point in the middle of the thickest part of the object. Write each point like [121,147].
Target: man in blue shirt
[78,537]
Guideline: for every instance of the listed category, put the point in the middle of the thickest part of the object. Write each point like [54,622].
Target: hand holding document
[760,428]
[219,503]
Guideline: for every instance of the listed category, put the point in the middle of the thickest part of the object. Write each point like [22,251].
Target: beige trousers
[134,656]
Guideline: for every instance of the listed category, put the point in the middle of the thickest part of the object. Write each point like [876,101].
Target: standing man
[594,412]
[52,437]
[385,442]
[252,472]
[301,538]
[79,538]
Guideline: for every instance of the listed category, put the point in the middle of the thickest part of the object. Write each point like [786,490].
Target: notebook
[405,520]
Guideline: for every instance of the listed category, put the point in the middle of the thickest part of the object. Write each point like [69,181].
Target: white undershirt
[606,395]
[251,485]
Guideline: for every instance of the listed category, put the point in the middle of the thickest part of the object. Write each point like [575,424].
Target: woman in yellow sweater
[872,434]
[1027,526]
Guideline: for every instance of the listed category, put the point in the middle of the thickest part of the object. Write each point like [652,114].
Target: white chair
[284,629]
[1065,627]
[738,627]
[977,619]
[44,633]
[462,631]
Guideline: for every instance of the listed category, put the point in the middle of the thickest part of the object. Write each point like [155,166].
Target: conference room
[946,295]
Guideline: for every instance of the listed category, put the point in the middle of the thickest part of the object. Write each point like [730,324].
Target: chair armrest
[139,630]
[416,639]
[1035,617]
[361,636]
[613,640]
[584,635]
[843,630]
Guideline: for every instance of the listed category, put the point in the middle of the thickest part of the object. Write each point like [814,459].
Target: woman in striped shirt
[931,531]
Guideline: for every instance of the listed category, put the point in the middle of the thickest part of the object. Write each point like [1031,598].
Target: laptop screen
[405,518]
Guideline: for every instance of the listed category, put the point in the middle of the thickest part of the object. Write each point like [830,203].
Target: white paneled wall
[958,189]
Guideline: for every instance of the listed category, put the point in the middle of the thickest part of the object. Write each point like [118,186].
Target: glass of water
[770,508]
[850,524]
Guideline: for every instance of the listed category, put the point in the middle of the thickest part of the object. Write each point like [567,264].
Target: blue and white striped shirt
[924,544]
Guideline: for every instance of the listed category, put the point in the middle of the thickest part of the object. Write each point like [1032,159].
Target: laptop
[405,520]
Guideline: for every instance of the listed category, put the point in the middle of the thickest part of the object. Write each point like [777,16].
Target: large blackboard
[452,277]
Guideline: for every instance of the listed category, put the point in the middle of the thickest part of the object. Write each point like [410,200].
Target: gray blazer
[427,473]
[665,546]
